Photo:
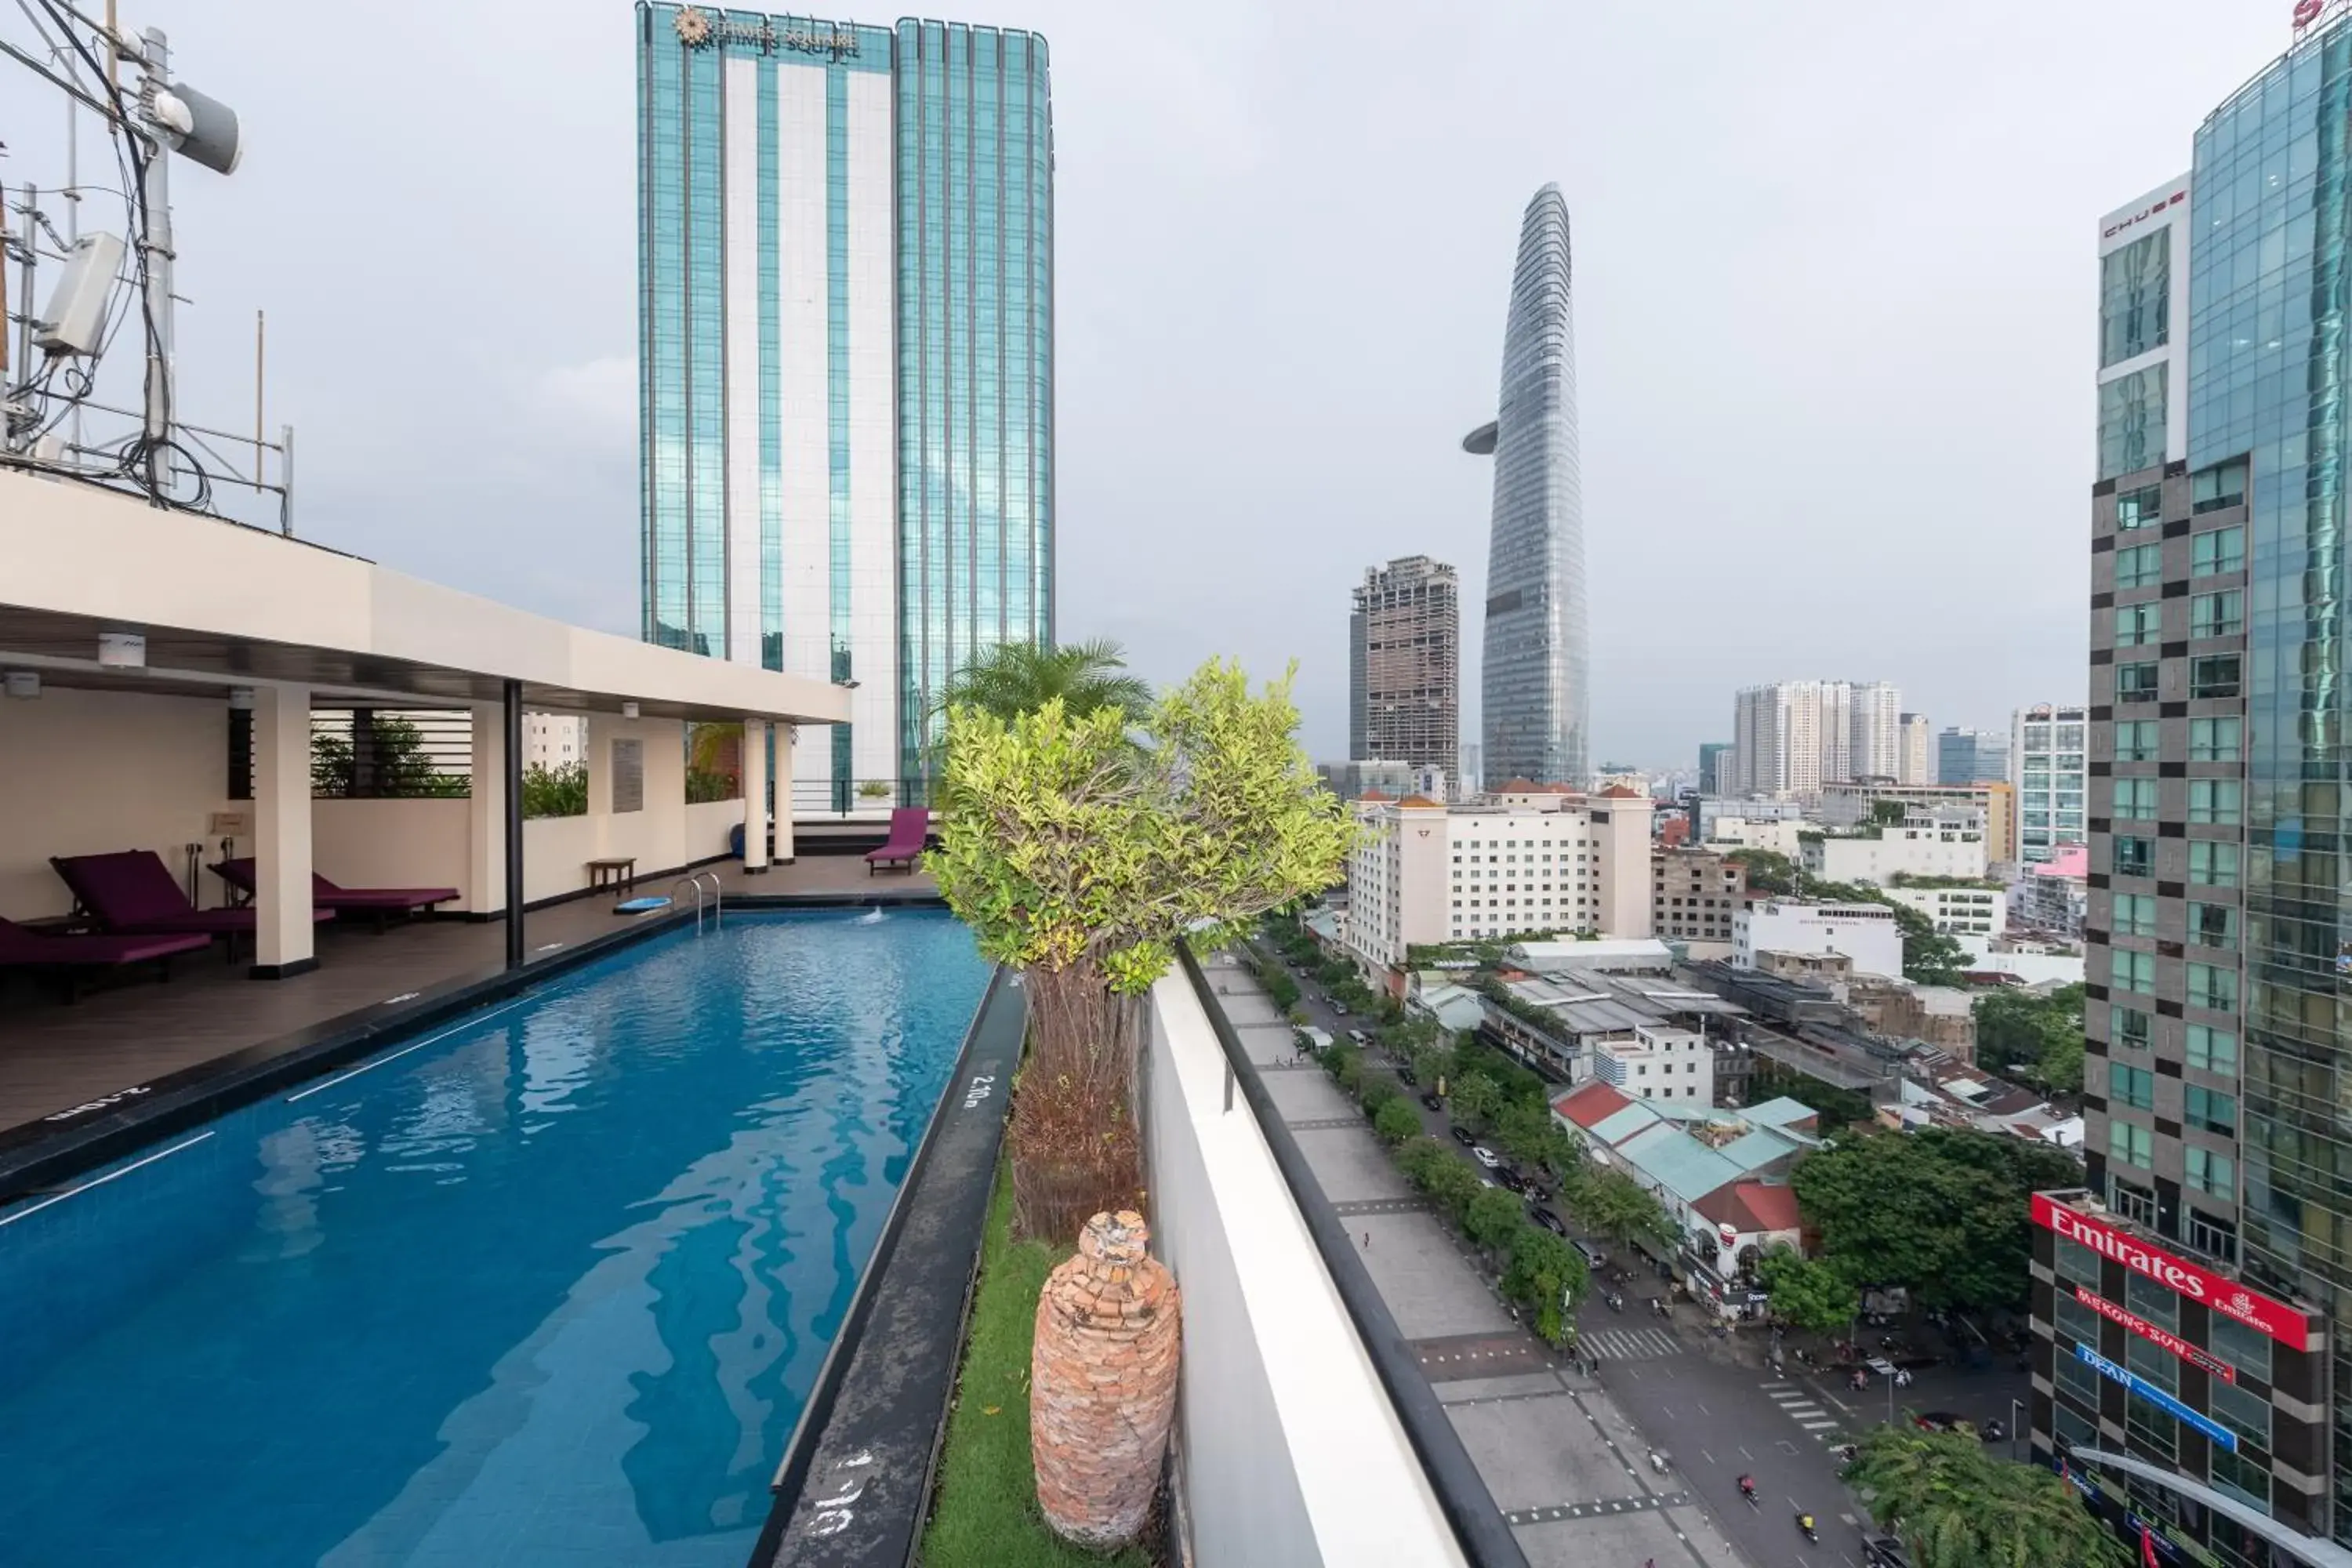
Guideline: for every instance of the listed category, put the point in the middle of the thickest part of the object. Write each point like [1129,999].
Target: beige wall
[86,771]
[82,773]
[1623,842]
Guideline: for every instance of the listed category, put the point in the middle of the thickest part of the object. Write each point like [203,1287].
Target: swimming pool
[549,1284]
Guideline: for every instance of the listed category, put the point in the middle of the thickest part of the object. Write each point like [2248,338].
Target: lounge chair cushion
[332,896]
[22,948]
[130,891]
[910,826]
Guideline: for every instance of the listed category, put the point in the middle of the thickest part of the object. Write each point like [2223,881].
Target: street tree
[1808,1293]
[1395,1121]
[1616,1205]
[1454,1187]
[1493,1218]
[1548,1276]
[2038,1039]
[1474,1099]
[1956,1505]
[1420,1156]
[1940,1211]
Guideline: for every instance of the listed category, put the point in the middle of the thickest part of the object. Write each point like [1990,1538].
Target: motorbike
[1657,1461]
[1616,1302]
[1805,1525]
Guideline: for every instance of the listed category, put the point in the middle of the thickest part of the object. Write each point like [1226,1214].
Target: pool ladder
[717,900]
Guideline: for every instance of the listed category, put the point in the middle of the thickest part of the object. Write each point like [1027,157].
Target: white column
[755,795]
[783,852]
[281,827]
[485,814]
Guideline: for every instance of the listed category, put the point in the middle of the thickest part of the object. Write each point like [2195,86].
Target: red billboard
[2282,1322]
[2156,1335]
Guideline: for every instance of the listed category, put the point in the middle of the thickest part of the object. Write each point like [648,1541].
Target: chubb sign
[2279,1321]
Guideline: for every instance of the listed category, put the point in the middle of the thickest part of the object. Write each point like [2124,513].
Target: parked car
[1340,1007]
[1485,1156]
[1593,1255]
[1404,1071]
[1431,1100]
[1884,1552]
[1463,1136]
[1548,1220]
[1510,1178]
[1358,1036]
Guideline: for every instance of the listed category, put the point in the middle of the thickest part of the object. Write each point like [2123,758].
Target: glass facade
[846,331]
[1536,695]
[2270,416]
[2135,290]
[975,167]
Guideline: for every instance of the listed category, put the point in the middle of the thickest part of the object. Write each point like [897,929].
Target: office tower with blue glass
[1536,697]
[845,333]
[2193,1299]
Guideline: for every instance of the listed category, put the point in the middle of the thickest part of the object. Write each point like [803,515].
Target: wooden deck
[54,1056]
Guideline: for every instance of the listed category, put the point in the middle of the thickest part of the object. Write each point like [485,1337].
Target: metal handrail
[718,898]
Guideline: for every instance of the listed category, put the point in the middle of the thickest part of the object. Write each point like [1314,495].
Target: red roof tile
[1619,791]
[1375,796]
[1418,800]
[1751,1206]
[1590,1106]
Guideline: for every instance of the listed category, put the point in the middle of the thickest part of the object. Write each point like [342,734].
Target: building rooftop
[1750,1206]
[1688,1150]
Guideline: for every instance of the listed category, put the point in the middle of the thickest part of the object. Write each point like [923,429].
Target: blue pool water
[550,1286]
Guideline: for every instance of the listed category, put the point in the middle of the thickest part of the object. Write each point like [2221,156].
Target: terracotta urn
[1102,1382]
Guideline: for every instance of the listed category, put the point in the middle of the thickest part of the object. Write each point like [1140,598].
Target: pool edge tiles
[656,1189]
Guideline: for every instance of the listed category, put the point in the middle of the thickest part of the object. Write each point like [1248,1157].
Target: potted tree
[1081,849]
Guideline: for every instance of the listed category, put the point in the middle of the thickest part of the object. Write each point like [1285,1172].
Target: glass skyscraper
[2270,425]
[1535,694]
[845,336]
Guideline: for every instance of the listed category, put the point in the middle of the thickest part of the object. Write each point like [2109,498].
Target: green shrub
[1395,1121]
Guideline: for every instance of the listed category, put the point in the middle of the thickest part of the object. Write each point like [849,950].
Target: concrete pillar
[755,795]
[283,935]
[485,814]
[783,850]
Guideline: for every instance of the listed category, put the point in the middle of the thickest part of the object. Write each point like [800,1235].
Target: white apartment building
[554,740]
[1658,1064]
[1915,753]
[1776,834]
[1958,911]
[1864,933]
[2046,768]
[1428,873]
[1791,737]
[1938,841]
[1874,727]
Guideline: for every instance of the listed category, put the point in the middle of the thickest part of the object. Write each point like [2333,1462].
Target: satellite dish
[201,129]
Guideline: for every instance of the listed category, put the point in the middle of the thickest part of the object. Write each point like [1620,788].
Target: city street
[1707,1403]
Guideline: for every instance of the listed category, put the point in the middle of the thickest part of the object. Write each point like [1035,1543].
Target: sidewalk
[1560,1456]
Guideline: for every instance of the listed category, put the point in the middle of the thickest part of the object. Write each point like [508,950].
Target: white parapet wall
[1288,1448]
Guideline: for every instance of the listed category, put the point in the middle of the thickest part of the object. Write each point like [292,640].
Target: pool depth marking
[395,1056]
[101,1181]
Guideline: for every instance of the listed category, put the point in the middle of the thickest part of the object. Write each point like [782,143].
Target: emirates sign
[2280,1321]
[2155,1335]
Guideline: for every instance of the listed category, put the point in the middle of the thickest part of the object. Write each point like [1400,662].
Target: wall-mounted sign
[2154,209]
[2156,1335]
[698,29]
[2282,1322]
[2221,1435]
[2309,14]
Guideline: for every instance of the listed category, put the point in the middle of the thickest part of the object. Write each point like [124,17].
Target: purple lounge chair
[909,826]
[23,949]
[380,903]
[131,893]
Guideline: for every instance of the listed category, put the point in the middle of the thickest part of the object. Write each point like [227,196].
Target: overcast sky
[1834,292]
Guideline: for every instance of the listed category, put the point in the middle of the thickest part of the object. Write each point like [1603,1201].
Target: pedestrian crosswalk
[1629,1344]
[1802,1407]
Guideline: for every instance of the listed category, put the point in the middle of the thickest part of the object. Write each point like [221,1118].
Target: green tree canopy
[1011,679]
[1808,1293]
[1615,1204]
[1956,1505]
[1474,1099]
[1940,1211]
[1493,1218]
[1547,1274]
[1768,871]
[1395,1123]
[2035,1037]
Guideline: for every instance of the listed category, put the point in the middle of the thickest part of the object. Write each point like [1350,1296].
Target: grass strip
[985,1514]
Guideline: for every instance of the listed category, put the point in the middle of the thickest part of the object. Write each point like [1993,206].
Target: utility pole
[155,199]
